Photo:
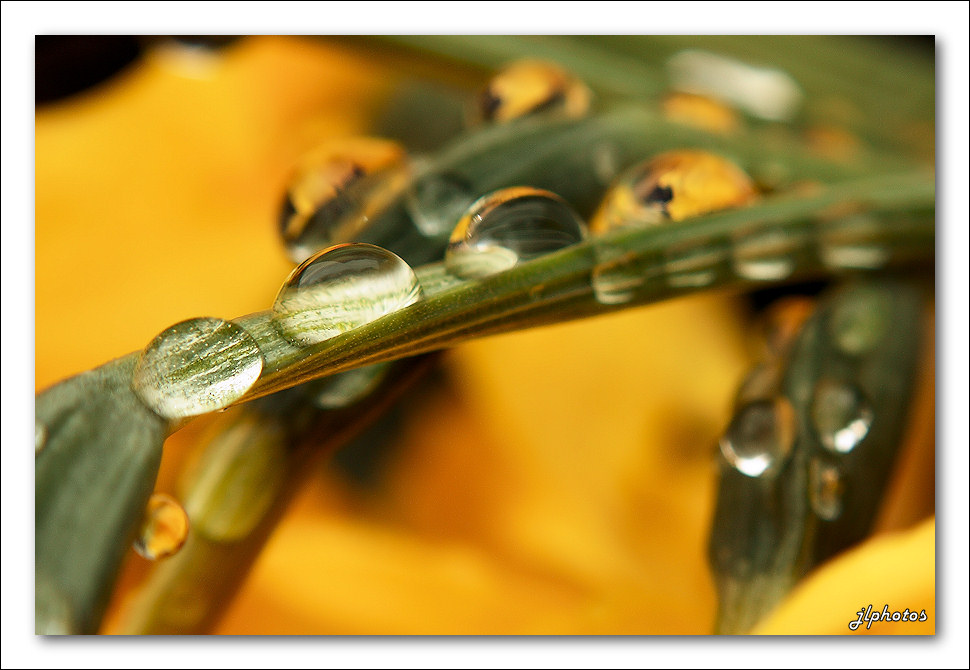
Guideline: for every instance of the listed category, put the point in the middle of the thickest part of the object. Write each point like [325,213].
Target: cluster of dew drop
[206,364]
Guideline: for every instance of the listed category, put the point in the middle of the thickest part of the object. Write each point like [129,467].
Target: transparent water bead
[694,265]
[825,489]
[529,87]
[338,185]
[164,528]
[196,367]
[841,415]
[346,388]
[860,319]
[342,288]
[672,187]
[511,225]
[619,276]
[437,200]
[760,437]
[766,254]
[852,243]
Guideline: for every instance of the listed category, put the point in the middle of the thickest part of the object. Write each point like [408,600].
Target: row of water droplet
[760,438]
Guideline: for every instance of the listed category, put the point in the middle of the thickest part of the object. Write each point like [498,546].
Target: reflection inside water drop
[841,415]
[342,288]
[826,489]
[760,437]
[197,366]
[508,226]
[164,528]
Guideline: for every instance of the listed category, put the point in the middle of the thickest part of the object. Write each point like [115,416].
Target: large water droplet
[164,528]
[508,226]
[531,87]
[342,288]
[760,437]
[766,254]
[860,319]
[672,187]
[197,366]
[841,415]
[336,188]
[850,243]
[437,200]
[825,489]
[40,436]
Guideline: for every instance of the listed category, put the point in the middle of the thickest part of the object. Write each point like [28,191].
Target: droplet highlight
[508,226]
[335,189]
[164,528]
[766,254]
[851,243]
[196,367]
[672,187]
[40,436]
[760,437]
[841,415]
[529,87]
[826,488]
[342,288]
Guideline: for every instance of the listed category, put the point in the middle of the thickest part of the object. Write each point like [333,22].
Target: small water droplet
[694,265]
[860,319]
[508,226]
[335,189]
[40,436]
[760,437]
[672,187]
[619,276]
[766,254]
[346,388]
[850,243]
[342,288]
[841,415]
[530,87]
[436,202]
[197,366]
[826,487]
[164,528]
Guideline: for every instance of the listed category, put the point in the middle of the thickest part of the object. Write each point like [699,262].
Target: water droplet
[436,202]
[766,254]
[619,276]
[164,528]
[760,437]
[342,288]
[694,265]
[841,415]
[672,187]
[702,112]
[508,226]
[197,366]
[530,87]
[40,436]
[336,189]
[860,319]
[826,487]
[345,388]
[851,243]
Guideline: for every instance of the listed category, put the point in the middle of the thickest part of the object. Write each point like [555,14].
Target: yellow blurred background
[560,481]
